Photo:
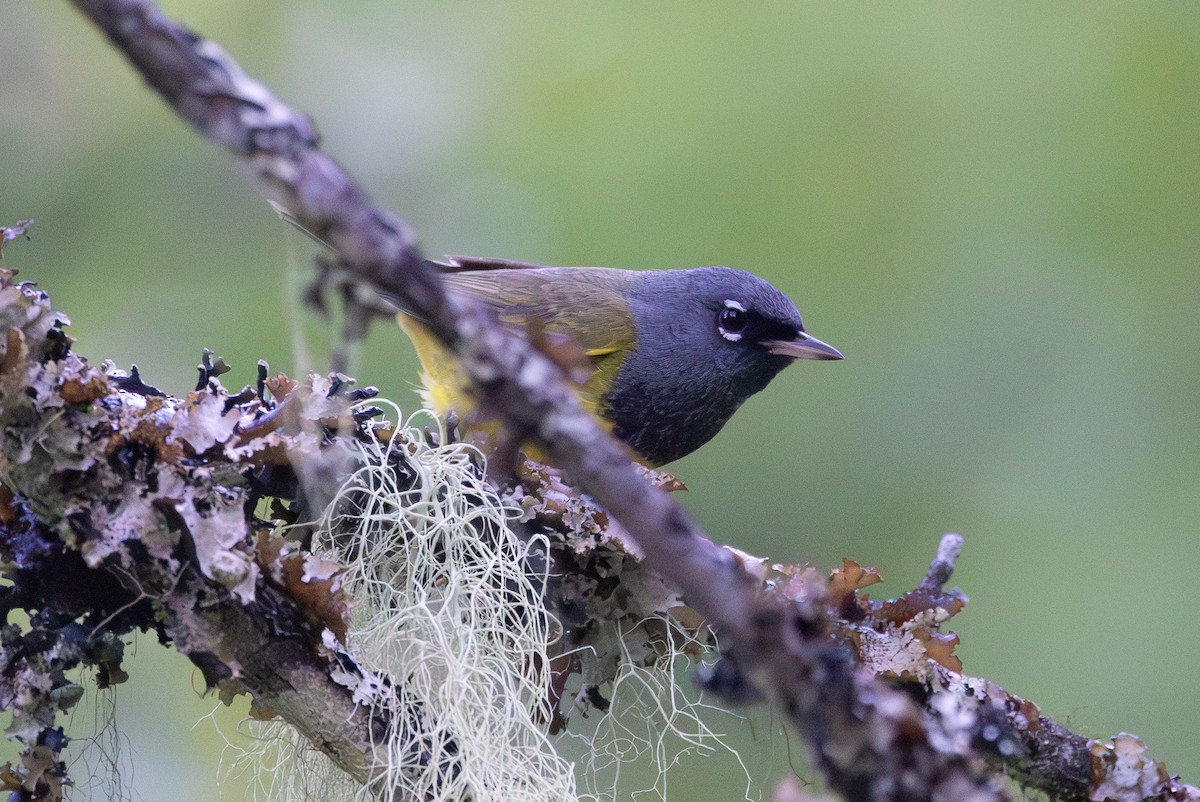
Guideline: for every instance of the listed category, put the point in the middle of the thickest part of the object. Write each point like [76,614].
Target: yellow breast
[445,387]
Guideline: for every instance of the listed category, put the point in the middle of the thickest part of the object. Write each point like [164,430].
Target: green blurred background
[991,208]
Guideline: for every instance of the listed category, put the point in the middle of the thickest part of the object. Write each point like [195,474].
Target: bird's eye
[732,321]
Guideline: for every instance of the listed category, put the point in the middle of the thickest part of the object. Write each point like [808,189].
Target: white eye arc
[731,321]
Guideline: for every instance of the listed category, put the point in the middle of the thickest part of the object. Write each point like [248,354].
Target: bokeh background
[991,208]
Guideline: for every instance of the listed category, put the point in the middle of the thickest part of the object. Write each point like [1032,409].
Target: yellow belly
[445,389]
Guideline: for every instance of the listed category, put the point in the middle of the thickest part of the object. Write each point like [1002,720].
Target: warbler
[671,354]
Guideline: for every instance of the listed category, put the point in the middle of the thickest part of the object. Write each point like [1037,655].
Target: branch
[132,514]
[137,511]
[871,740]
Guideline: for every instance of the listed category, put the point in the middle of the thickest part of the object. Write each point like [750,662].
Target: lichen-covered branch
[872,740]
[126,509]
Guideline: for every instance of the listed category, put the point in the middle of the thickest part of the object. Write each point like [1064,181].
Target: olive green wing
[585,303]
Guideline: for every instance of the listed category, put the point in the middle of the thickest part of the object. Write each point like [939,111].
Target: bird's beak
[803,347]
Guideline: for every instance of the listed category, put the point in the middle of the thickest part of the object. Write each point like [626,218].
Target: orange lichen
[281,386]
[312,583]
[1122,771]
[846,581]
[15,351]
[915,602]
[74,391]
[939,647]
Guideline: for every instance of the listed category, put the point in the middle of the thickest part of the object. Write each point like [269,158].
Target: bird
[670,355]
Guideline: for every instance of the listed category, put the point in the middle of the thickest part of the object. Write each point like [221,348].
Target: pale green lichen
[453,634]
[446,608]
